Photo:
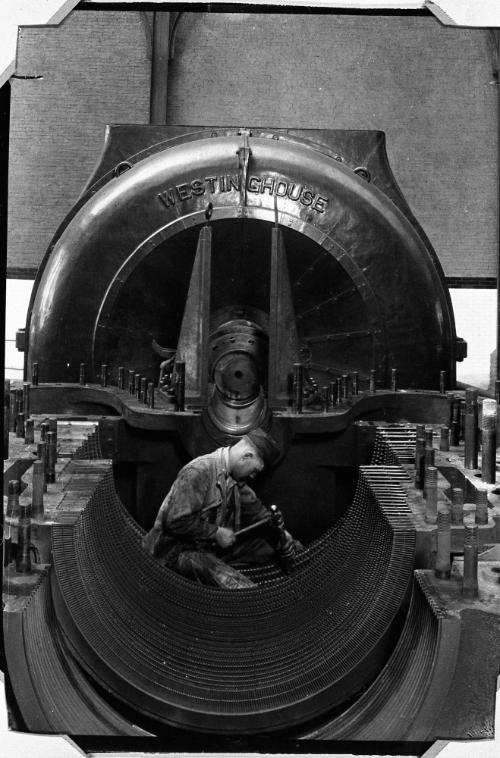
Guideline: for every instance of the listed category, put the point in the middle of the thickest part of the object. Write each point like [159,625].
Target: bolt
[488,440]
[394,373]
[481,506]
[372,381]
[443,566]
[298,387]
[29,431]
[457,506]
[13,490]
[104,375]
[430,489]
[51,458]
[442,382]
[151,395]
[444,442]
[470,584]
[38,487]
[121,377]
[23,560]
[83,379]
[34,375]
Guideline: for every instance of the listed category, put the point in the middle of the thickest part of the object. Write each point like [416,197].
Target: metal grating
[256,659]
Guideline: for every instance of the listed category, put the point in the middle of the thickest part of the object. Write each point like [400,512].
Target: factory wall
[429,87]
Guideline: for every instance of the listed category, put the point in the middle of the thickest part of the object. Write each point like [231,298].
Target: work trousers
[221,569]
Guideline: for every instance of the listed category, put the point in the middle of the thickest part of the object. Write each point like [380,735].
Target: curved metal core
[260,659]
[367,290]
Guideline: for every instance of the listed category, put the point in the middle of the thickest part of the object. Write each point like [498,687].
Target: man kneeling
[194,531]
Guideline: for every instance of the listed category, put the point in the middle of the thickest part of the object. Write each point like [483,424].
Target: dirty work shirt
[203,497]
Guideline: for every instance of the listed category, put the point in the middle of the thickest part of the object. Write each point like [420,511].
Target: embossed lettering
[234,182]
[210,180]
[167,197]
[281,189]
[297,188]
[197,187]
[183,191]
[320,204]
[253,184]
[267,184]
[307,197]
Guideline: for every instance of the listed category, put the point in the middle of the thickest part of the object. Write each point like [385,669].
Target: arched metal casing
[361,236]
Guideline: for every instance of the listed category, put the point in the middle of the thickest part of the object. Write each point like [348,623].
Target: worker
[195,531]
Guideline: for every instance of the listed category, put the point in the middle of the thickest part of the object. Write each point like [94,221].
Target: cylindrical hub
[488,441]
[457,506]
[23,560]
[470,587]
[443,564]
[38,487]
[471,429]
[428,436]
[430,488]
[13,490]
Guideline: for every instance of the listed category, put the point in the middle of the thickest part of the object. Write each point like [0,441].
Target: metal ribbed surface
[389,708]
[249,660]
[58,699]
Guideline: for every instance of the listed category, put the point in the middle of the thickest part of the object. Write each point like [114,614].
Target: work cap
[265,445]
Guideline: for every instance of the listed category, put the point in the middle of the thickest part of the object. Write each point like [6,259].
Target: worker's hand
[224,537]
[298,546]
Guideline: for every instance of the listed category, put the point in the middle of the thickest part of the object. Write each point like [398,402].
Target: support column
[159,68]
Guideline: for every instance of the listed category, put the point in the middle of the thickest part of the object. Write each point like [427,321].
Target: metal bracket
[244,152]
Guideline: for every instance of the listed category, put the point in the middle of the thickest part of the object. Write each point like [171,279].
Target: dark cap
[266,446]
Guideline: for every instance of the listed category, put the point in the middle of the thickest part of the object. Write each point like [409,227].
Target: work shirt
[203,497]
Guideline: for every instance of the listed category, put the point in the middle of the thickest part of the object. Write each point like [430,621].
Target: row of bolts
[462,424]
[43,473]
[340,389]
[425,471]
